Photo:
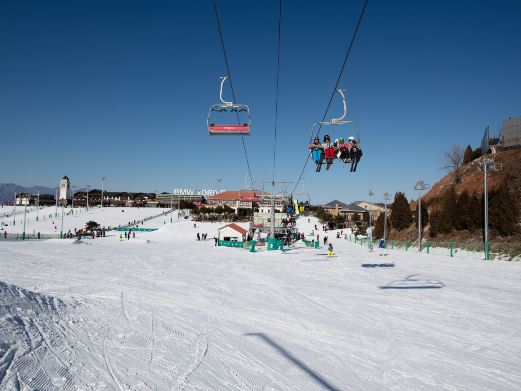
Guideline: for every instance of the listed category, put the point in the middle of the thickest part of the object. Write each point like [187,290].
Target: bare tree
[453,160]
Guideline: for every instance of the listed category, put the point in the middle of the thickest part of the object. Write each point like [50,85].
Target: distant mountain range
[7,191]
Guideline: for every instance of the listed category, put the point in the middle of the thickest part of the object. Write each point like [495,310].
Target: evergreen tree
[449,211]
[401,215]
[476,153]
[464,218]
[475,211]
[503,212]
[467,155]
[379,227]
[424,214]
[434,224]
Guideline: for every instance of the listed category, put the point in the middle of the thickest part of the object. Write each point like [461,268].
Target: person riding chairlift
[316,150]
[329,149]
[355,153]
[343,150]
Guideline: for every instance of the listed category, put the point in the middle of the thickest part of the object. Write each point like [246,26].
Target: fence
[496,250]
[28,236]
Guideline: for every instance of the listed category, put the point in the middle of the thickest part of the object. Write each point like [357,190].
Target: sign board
[485,141]
[197,192]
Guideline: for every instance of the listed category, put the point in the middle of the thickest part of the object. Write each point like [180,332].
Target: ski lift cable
[276,97]
[336,85]
[231,84]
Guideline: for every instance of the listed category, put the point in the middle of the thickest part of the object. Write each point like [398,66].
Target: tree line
[455,212]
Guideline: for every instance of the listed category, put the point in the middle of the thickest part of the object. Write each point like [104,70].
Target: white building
[65,188]
[232,233]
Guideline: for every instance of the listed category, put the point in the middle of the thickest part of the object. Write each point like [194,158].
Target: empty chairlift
[242,115]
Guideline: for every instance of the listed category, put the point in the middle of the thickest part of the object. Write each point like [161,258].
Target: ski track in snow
[165,312]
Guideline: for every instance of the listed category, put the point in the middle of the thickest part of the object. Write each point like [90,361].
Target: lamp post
[61,228]
[38,207]
[72,206]
[14,209]
[102,189]
[371,194]
[56,207]
[25,215]
[87,187]
[493,166]
[387,197]
[420,186]
[172,208]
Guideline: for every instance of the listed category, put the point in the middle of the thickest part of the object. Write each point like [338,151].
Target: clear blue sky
[122,89]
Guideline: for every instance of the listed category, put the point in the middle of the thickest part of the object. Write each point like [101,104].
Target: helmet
[327,137]
[316,139]
[341,139]
[336,141]
[351,138]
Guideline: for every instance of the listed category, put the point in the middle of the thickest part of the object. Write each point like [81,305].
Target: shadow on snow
[287,354]
[413,282]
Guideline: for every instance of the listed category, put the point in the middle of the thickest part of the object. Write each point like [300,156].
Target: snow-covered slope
[164,311]
[77,218]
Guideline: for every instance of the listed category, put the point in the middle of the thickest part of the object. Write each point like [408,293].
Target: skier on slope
[330,250]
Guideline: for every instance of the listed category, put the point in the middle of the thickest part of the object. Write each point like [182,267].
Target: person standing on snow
[330,250]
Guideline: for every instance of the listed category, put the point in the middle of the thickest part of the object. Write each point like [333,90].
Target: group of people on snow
[328,150]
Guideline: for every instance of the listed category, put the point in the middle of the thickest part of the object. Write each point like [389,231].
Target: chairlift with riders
[330,150]
[242,128]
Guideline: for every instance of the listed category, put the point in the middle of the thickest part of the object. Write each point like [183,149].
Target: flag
[485,140]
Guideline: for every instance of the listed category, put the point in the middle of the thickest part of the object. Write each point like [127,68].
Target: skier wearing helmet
[355,153]
[317,151]
[343,150]
[329,150]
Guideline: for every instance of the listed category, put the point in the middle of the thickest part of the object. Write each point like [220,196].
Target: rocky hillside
[471,180]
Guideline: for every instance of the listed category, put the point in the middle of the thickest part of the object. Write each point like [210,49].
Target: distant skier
[330,250]
[325,240]
[198,236]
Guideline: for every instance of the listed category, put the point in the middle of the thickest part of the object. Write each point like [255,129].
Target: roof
[334,203]
[245,195]
[235,227]
[345,207]
[378,204]
[354,208]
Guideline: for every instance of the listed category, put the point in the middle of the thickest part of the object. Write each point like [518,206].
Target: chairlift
[219,129]
[320,157]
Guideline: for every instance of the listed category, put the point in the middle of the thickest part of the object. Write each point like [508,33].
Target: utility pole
[371,194]
[272,206]
[87,187]
[172,208]
[420,186]
[38,207]
[73,187]
[56,208]
[102,185]
[61,229]
[493,166]
[14,209]
[25,215]
[387,197]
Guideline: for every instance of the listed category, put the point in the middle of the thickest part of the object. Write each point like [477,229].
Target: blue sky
[122,88]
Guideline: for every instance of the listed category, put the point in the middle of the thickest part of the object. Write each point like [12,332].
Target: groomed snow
[109,216]
[164,311]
